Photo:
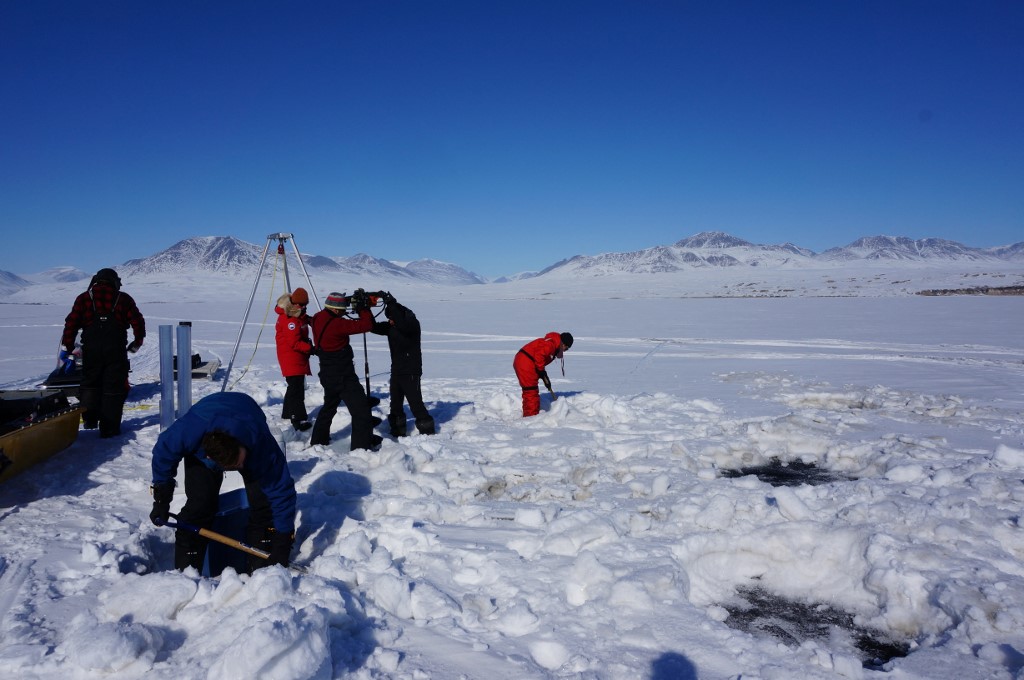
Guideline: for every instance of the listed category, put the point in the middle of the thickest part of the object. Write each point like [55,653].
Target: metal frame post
[184,367]
[166,377]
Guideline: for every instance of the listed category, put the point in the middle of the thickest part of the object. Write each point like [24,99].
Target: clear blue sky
[504,136]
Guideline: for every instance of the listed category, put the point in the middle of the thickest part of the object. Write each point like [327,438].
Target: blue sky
[504,136]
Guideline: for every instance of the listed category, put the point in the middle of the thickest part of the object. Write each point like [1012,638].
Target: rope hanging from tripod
[266,314]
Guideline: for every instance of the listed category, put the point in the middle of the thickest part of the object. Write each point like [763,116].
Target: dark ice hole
[761,613]
[793,473]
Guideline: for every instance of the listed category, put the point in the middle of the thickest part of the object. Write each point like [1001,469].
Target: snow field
[600,539]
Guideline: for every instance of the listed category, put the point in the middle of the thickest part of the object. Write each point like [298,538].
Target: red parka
[539,353]
[293,345]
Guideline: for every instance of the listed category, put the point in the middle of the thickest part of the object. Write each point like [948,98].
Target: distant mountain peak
[228,255]
[442,272]
[712,239]
[903,248]
[222,254]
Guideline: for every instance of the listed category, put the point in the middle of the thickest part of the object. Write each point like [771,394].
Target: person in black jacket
[402,329]
[104,313]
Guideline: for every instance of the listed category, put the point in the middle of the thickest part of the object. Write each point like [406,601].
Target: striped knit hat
[336,301]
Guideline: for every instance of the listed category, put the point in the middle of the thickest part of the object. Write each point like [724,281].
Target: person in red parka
[530,366]
[293,350]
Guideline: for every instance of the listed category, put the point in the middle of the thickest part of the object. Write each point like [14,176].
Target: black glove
[280,548]
[545,379]
[134,346]
[163,493]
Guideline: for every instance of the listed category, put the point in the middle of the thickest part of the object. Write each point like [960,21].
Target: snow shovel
[226,540]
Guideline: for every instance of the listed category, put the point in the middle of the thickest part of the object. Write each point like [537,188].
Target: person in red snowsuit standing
[530,366]
[293,350]
[104,314]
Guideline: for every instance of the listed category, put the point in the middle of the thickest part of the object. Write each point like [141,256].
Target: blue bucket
[231,520]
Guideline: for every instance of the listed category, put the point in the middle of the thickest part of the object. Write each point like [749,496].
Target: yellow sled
[34,425]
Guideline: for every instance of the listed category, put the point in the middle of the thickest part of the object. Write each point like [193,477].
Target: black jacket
[403,332]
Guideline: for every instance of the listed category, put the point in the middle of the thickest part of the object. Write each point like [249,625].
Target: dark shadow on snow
[672,666]
[441,411]
[546,401]
[66,473]
[335,495]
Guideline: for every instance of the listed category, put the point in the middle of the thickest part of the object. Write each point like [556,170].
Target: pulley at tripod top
[280,238]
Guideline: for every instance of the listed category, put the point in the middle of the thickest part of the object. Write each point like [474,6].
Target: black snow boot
[259,538]
[189,551]
[397,426]
[425,426]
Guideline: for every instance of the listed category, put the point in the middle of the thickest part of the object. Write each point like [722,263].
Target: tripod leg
[309,284]
[245,317]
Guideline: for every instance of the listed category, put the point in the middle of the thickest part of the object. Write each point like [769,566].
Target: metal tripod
[280,238]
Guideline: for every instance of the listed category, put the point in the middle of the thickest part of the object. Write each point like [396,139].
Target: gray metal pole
[312,293]
[184,367]
[166,377]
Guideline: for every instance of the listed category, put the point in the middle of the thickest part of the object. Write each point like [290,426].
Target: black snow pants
[104,375]
[406,386]
[202,497]
[340,382]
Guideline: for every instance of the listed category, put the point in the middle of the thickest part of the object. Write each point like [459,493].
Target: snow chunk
[155,598]
[1007,457]
[587,579]
[571,534]
[111,647]
[280,643]
[549,654]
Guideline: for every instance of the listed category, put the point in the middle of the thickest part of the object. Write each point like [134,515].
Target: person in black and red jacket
[104,314]
[331,331]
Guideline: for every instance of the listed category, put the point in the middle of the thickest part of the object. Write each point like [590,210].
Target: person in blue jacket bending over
[225,431]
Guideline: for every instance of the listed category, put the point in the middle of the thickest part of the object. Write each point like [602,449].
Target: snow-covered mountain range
[718,249]
[229,256]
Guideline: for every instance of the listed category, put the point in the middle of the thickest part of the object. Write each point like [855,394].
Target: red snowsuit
[529,365]
[293,345]
[293,350]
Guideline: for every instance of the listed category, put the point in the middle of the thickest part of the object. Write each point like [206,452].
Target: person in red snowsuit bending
[293,350]
[530,366]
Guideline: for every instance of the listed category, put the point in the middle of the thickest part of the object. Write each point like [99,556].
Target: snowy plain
[612,536]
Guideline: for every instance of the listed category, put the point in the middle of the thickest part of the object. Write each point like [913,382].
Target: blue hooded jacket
[240,416]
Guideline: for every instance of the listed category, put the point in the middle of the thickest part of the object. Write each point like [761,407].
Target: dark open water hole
[760,613]
[793,473]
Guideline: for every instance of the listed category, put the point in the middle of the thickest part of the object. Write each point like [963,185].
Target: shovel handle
[220,538]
